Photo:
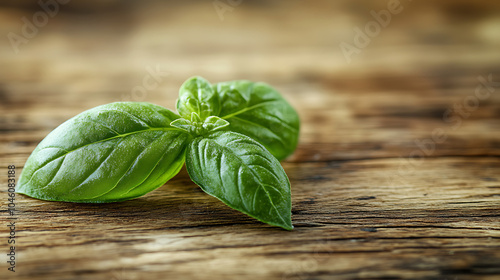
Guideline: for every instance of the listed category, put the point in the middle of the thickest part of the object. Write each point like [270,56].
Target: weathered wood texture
[366,204]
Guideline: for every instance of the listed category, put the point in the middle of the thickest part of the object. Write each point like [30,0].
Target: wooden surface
[366,205]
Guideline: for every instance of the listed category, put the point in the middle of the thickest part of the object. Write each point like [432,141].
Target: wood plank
[349,223]
[374,194]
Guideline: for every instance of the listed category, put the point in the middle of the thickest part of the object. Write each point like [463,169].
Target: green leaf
[214,123]
[196,128]
[195,118]
[113,152]
[260,112]
[197,95]
[183,124]
[243,174]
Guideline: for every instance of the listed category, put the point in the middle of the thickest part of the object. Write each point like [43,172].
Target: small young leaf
[183,124]
[243,174]
[214,123]
[260,112]
[110,153]
[196,95]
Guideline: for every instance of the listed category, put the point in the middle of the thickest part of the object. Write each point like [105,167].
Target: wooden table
[396,174]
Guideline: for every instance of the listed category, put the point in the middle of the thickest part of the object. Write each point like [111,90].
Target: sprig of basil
[231,136]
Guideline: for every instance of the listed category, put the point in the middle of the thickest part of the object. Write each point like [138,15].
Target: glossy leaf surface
[197,96]
[243,174]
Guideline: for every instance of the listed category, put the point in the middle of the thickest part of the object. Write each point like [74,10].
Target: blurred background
[378,64]
[378,85]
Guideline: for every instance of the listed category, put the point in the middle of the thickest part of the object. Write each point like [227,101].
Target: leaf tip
[288,226]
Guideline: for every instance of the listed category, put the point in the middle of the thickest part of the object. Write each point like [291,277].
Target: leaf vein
[55,174]
[111,150]
[127,113]
[102,140]
[257,179]
[240,192]
[280,121]
[276,136]
[98,123]
[274,175]
[246,109]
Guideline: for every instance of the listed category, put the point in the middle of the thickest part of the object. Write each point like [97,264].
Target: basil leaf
[211,124]
[110,153]
[197,95]
[243,174]
[260,112]
[214,123]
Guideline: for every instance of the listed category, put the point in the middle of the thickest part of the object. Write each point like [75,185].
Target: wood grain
[375,196]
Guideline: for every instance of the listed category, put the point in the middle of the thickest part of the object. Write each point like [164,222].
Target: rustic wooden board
[374,194]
